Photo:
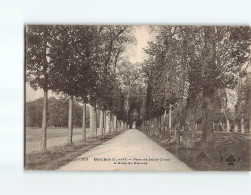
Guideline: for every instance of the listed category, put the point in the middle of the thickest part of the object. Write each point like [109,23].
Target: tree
[219,59]
[87,81]
[165,73]
[38,39]
[112,43]
[129,76]
[196,63]
[242,107]
[71,56]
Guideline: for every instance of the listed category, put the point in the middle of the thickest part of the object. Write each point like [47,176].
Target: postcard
[137,98]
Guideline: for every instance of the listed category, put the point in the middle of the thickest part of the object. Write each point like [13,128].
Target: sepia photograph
[137,97]
[144,97]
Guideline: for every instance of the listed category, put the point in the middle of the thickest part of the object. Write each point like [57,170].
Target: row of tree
[81,63]
[187,73]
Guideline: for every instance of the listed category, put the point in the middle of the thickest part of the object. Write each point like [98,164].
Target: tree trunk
[70,123]
[160,125]
[228,125]
[221,126]
[164,123]
[84,123]
[104,121]
[236,127]
[157,126]
[101,122]
[242,125]
[250,124]
[118,125]
[178,133]
[111,121]
[152,126]
[92,121]
[107,117]
[170,118]
[193,131]
[207,113]
[115,123]
[175,132]
[44,120]
[122,125]
[95,120]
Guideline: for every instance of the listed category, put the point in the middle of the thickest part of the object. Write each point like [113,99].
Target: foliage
[79,61]
[195,64]
[57,114]
[108,94]
[72,60]
[196,58]
[37,68]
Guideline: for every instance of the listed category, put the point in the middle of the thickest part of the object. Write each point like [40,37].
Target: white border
[14,14]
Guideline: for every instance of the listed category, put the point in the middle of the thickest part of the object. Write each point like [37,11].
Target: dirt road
[130,151]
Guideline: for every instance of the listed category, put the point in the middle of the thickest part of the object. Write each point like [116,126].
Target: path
[131,146]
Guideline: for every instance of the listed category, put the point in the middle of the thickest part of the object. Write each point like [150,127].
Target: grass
[225,145]
[55,137]
[35,134]
[58,156]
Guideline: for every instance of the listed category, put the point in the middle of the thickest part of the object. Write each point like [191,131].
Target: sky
[135,52]
[142,36]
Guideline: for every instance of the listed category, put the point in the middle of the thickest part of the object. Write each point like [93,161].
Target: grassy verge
[58,156]
[225,145]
